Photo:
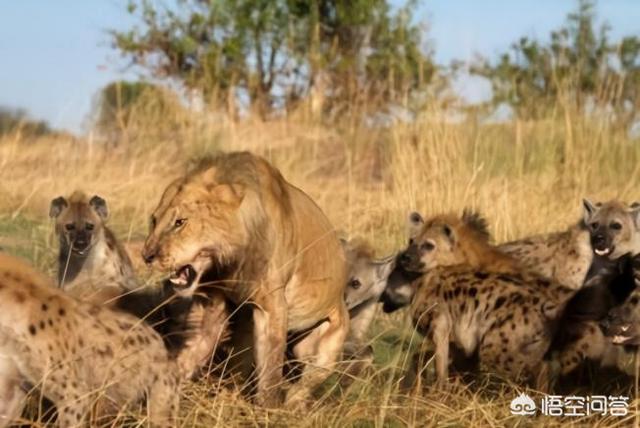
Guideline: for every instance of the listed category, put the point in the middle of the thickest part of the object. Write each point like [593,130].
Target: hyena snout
[80,240]
[410,260]
[621,325]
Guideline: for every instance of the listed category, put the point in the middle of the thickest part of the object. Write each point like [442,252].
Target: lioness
[267,243]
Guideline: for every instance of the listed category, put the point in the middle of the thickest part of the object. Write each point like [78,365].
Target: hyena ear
[449,233]
[56,207]
[415,223]
[589,209]
[100,206]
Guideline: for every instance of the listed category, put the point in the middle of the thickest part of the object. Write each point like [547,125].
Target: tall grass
[525,177]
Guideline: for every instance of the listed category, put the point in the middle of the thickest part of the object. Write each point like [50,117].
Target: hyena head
[614,228]
[400,288]
[79,221]
[622,324]
[442,240]
[367,275]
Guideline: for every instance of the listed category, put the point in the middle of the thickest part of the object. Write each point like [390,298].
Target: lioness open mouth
[603,251]
[183,277]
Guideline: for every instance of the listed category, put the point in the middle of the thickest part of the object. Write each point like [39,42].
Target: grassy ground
[526,177]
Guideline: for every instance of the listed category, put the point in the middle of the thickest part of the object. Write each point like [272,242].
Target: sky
[56,55]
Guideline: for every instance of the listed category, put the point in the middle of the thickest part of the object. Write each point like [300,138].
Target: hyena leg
[75,411]
[163,401]
[416,372]
[590,344]
[441,337]
[319,351]
[12,397]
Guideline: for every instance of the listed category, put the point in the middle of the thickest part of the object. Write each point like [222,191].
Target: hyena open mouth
[604,251]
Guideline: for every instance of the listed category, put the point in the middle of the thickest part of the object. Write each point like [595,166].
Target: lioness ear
[229,193]
[415,224]
[100,206]
[589,209]
[57,205]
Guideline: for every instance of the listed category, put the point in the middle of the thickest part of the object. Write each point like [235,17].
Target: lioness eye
[180,222]
[69,226]
[152,222]
[88,226]
[410,241]
[355,284]
[427,246]
[594,225]
[615,225]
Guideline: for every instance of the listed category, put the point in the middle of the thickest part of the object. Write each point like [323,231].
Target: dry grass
[525,177]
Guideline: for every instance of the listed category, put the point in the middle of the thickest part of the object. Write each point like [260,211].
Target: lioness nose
[149,255]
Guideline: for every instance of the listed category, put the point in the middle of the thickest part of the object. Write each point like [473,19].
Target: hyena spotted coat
[80,355]
[480,300]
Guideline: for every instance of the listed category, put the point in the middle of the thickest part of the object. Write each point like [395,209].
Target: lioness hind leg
[319,351]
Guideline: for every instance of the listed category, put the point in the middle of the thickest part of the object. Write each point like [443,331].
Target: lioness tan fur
[266,243]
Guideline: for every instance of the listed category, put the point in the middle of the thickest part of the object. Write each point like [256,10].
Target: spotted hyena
[480,300]
[80,355]
[622,323]
[91,262]
[367,279]
[613,228]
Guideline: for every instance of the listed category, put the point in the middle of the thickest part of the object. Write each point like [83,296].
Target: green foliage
[12,120]
[124,109]
[578,65]
[274,52]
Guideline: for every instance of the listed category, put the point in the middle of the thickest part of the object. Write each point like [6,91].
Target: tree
[16,120]
[273,53]
[578,65]
[122,110]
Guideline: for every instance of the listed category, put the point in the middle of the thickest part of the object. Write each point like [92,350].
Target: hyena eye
[594,225]
[427,246]
[89,226]
[355,283]
[180,222]
[615,225]
[69,226]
